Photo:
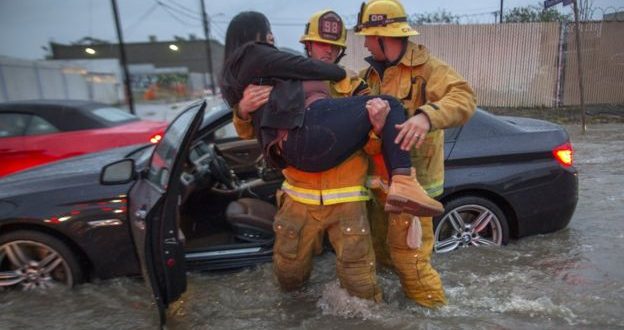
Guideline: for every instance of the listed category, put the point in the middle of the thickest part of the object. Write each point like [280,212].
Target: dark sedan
[73,220]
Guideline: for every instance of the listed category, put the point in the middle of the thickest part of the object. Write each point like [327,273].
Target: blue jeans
[334,129]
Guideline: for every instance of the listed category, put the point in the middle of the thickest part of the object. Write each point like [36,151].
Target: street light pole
[500,17]
[208,49]
[122,58]
[580,66]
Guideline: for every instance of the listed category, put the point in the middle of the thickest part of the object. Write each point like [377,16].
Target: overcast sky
[27,25]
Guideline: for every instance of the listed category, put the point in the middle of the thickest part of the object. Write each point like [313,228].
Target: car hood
[77,171]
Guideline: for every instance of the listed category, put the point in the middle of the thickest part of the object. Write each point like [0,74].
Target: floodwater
[572,278]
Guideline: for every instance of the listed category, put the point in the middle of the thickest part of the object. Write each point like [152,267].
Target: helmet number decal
[330,26]
[377,19]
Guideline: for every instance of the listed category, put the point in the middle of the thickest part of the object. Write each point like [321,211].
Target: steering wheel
[211,169]
[221,171]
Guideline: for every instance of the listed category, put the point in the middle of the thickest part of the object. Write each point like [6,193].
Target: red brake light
[155,138]
[564,154]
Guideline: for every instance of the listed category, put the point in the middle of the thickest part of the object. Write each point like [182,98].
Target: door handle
[141,213]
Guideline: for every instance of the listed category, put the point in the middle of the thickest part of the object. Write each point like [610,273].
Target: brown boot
[406,195]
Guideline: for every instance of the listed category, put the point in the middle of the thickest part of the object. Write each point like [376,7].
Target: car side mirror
[119,172]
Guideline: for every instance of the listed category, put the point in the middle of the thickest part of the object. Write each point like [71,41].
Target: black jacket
[263,64]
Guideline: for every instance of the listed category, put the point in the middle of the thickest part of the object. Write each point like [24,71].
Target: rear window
[13,124]
[114,115]
[39,126]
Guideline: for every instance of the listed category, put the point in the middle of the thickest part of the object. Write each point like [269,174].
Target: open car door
[154,203]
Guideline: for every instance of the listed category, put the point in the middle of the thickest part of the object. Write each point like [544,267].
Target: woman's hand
[378,110]
[254,96]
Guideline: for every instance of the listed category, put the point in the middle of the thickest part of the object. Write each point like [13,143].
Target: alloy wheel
[32,265]
[468,226]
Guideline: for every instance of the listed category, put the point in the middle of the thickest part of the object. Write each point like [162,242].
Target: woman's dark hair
[246,27]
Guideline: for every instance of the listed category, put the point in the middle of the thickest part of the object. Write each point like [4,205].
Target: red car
[37,132]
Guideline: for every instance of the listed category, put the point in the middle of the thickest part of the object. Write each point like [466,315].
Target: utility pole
[122,58]
[500,17]
[208,50]
[580,66]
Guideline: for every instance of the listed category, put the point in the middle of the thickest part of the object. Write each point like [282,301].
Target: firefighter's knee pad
[291,274]
[355,258]
[359,278]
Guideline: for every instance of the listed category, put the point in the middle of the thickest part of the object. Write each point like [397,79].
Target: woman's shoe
[407,195]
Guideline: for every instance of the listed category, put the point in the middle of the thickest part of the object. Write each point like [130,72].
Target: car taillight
[155,138]
[564,154]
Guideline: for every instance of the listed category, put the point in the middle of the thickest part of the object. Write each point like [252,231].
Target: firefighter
[333,201]
[435,97]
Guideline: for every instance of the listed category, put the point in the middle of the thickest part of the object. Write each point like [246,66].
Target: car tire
[35,260]
[456,228]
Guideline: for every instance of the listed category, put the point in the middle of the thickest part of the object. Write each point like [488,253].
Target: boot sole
[397,204]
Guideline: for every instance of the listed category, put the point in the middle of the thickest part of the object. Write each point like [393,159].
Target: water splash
[337,301]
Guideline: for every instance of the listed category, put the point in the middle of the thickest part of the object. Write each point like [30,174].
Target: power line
[181,21]
[193,12]
[143,17]
[180,12]
[219,29]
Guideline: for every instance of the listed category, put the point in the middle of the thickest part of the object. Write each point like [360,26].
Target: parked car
[202,199]
[38,132]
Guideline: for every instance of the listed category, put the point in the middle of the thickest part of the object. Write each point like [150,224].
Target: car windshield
[113,115]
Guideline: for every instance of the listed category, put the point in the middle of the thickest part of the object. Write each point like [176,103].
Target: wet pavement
[571,278]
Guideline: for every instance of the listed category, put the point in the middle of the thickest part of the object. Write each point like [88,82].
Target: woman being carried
[301,125]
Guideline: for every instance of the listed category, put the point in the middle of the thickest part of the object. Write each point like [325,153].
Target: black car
[203,199]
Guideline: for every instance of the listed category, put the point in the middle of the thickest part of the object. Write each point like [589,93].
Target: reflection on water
[570,278]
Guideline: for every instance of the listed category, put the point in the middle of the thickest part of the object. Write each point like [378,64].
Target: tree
[586,10]
[439,17]
[533,14]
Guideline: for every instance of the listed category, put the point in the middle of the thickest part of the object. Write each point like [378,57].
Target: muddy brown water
[571,278]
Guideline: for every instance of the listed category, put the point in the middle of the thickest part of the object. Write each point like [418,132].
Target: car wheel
[33,260]
[470,221]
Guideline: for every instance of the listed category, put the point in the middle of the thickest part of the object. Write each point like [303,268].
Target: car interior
[228,200]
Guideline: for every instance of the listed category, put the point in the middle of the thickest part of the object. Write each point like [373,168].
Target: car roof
[66,115]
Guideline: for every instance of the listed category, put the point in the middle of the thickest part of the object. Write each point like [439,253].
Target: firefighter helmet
[325,26]
[384,18]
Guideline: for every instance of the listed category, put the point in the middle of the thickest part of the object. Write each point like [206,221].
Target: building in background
[158,69]
[96,80]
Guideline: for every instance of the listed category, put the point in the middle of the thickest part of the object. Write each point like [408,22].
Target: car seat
[251,220]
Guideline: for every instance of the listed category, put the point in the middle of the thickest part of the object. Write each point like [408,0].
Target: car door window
[226,133]
[166,151]
[38,126]
[13,124]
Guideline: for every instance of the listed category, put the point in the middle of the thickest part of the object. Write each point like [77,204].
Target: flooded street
[574,277]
